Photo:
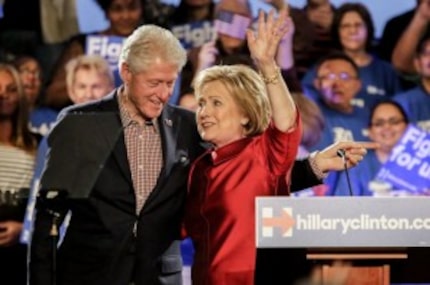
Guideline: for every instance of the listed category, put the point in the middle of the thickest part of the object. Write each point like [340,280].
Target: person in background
[409,36]
[123,15]
[17,150]
[387,123]
[398,47]
[41,118]
[37,28]
[353,33]
[337,82]
[320,14]
[416,101]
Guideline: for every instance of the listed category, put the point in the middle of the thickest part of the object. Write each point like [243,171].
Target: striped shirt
[16,170]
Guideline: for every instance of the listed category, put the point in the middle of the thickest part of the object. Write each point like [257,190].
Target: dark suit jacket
[90,161]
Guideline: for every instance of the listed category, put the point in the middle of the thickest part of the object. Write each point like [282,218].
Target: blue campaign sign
[109,47]
[194,34]
[408,167]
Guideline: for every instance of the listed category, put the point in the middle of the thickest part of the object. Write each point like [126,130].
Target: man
[111,238]
[125,170]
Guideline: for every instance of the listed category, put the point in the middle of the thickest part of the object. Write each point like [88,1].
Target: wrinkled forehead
[336,66]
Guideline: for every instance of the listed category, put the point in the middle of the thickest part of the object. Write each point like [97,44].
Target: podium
[367,234]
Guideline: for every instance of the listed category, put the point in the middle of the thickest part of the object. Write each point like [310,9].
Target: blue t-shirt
[41,120]
[378,79]
[360,176]
[416,103]
[342,126]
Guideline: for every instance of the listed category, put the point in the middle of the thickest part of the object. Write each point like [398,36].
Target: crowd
[167,124]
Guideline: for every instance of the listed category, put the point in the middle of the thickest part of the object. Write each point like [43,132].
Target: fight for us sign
[408,167]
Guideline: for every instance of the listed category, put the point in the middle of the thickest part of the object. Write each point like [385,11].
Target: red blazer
[220,215]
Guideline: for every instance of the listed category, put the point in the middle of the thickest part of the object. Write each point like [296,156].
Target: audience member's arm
[404,51]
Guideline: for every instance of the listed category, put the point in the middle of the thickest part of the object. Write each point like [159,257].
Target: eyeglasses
[390,122]
[352,25]
[343,76]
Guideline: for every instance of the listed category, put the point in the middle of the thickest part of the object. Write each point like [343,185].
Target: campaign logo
[108,47]
[284,222]
[408,167]
[194,34]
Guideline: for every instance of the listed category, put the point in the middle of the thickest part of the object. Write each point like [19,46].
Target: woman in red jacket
[253,124]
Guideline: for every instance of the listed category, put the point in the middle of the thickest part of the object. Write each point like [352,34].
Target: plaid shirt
[144,153]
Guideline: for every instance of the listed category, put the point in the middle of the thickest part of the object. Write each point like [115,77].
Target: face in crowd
[387,124]
[124,16]
[9,95]
[31,78]
[338,83]
[352,32]
[422,60]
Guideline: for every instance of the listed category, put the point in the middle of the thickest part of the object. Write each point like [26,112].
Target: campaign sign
[194,34]
[108,47]
[408,166]
[342,222]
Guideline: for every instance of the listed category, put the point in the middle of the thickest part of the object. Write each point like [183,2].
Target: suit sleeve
[302,176]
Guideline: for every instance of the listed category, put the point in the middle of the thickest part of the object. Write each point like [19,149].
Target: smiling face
[338,83]
[387,126]
[151,89]
[422,61]
[352,32]
[9,96]
[219,118]
[124,16]
[30,74]
[89,84]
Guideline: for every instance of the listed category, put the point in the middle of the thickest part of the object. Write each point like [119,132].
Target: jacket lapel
[114,132]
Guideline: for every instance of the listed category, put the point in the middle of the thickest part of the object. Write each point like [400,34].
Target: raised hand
[264,42]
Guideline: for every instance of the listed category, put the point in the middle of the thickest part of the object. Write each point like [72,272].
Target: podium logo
[285,222]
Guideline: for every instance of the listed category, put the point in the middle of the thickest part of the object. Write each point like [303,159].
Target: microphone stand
[341,153]
[53,233]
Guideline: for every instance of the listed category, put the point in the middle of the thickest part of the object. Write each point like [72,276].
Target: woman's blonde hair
[247,89]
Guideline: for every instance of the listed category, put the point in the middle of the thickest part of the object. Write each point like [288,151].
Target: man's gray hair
[147,43]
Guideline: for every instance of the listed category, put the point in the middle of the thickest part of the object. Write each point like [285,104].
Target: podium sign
[331,222]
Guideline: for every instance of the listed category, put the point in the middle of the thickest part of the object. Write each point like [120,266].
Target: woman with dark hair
[387,123]
[353,32]
[17,150]
[41,118]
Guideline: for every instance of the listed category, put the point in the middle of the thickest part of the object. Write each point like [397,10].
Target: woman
[254,133]
[387,123]
[17,149]
[234,115]
[41,118]
[353,33]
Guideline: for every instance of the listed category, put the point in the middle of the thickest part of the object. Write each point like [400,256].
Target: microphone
[342,154]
